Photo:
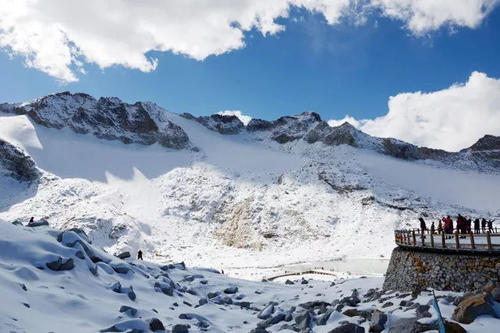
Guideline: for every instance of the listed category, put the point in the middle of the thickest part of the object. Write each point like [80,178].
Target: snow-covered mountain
[211,191]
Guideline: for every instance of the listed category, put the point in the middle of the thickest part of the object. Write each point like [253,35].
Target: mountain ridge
[144,123]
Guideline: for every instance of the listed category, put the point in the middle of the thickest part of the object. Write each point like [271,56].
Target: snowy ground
[38,299]
[253,208]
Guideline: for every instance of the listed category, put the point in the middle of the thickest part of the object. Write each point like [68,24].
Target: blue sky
[332,69]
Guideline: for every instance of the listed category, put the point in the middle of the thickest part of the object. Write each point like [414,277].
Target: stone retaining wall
[411,270]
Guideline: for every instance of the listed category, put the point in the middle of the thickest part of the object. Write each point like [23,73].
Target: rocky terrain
[59,281]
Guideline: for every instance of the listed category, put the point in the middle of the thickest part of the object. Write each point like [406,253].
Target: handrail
[485,241]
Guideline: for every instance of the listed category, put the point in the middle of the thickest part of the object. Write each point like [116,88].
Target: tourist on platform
[423,226]
[440,227]
[476,226]
[483,224]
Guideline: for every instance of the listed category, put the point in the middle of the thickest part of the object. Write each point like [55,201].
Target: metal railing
[485,241]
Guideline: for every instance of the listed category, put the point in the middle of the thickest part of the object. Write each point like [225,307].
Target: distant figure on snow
[423,227]
[222,271]
[32,219]
[139,255]
[476,226]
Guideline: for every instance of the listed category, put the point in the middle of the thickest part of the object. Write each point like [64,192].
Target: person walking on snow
[139,255]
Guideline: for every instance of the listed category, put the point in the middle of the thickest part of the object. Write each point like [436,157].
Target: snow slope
[244,202]
[99,292]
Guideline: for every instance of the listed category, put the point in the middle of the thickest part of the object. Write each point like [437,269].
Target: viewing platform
[486,242]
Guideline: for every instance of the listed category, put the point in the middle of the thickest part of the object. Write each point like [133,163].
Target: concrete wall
[412,270]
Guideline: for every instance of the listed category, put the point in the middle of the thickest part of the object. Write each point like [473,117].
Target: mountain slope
[277,193]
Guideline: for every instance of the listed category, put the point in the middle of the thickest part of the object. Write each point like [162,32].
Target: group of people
[463,225]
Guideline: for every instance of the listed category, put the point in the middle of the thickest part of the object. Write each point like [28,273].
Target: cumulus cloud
[59,36]
[450,119]
[351,120]
[243,117]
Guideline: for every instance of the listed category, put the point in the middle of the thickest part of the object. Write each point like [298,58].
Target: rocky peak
[107,118]
[487,142]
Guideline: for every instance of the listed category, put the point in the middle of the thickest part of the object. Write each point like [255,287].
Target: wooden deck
[486,242]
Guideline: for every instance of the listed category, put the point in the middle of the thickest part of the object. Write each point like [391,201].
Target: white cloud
[450,119]
[244,118]
[347,118]
[59,36]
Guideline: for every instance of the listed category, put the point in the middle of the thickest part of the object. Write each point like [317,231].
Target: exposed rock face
[473,306]
[106,118]
[16,164]
[411,270]
[224,124]
[487,148]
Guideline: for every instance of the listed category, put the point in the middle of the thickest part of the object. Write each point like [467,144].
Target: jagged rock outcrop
[17,164]
[107,118]
[224,124]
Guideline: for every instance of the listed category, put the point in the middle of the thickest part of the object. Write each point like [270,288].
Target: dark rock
[452,327]
[156,325]
[259,125]
[39,223]
[128,309]
[180,328]
[259,330]
[377,323]
[202,301]
[272,321]
[422,311]
[348,328]
[321,320]
[61,264]
[131,294]
[224,124]
[117,287]
[356,312]
[304,281]
[231,290]
[121,268]
[124,255]
[314,305]
[303,320]
[387,304]
[289,282]
[16,163]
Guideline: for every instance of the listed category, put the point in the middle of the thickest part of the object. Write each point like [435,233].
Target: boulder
[124,255]
[180,328]
[473,306]
[356,312]
[279,317]
[348,328]
[61,264]
[289,282]
[39,223]
[377,323]
[231,290]
[156,325]
[129,310]
[303,320]
[266,312]
[423,311]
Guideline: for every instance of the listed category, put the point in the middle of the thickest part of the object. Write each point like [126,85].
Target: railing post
[414,238]
[432,239]
[488,239]
[472,245]
[457,242]
[423,237]
[443,242]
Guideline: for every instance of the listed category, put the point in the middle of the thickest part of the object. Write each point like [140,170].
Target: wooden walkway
[486,242]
